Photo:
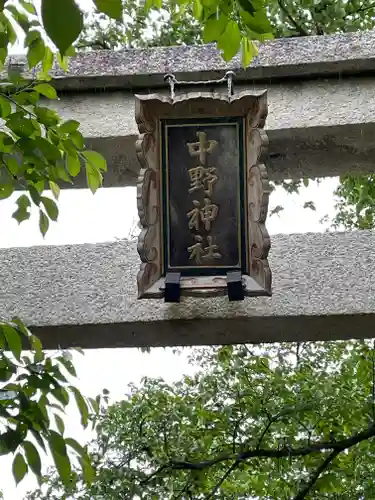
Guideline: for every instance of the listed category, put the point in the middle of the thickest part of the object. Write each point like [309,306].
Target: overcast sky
[85,218]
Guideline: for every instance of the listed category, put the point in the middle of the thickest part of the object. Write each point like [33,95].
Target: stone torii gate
[321,122]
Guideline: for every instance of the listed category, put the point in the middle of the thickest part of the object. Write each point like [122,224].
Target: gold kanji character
[205,214]
[202,147]
[211,250]
[208,213]
[194,216]
[202,178]
[196,251]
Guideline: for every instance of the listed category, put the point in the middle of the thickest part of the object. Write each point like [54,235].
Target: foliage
[34,392]
[355,198]
[356,202]
[232,24]
[176,23]
[286,422]
[38,151]
[170,25]
[322,17]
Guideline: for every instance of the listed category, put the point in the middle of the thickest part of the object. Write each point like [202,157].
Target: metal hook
[228,78]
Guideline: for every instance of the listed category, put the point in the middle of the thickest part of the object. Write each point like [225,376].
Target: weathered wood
[235,236]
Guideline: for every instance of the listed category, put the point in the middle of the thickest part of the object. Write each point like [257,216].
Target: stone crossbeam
[321,100]
[323,289]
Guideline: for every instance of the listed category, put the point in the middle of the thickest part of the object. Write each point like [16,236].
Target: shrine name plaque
[202,193]
[203,185]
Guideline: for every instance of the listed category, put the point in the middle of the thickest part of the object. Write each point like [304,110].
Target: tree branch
[360,9]
[302,451]
[300,29]
[324,465]
[227,474]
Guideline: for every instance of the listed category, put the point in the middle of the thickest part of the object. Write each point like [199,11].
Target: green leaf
[61,395]
[63,22]
[5,107]
[96,160]
[20,126]
[34,194]
[29,7]
[37,347]
[4,40]
[33,458]
[230,40]
[21,326]
[60,172]
[247,5]
[73,165]
[55,189]
[20,17]
[46,90]
[12,165]
[113,8]
[38,438]
[82,406]
[6,143]
[276,210]
[306,181]
[310,205]
[68,365]
[214,28]
[258,24]
[10,440]
[93,177]
[77,139]
[36,52]
[51,208]
[68,126]
[43,222]
[57,443]
[49,150]
[47,62]
[95,405]
[60,424]
[76,446]
[22,213]
[87,470]
[6,190]
[60,457]
[19,468]
[63,61]
[13,340]
[47,116]
[249,51]
[198,9]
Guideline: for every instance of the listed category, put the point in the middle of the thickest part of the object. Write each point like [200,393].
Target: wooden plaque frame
[149,111]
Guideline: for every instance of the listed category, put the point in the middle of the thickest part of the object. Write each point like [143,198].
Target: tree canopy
[288,421]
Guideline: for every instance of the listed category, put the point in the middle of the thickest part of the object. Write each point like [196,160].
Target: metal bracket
[172,291]
[235,286]
[227,78]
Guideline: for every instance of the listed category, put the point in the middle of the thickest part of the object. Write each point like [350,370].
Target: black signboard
[203,193]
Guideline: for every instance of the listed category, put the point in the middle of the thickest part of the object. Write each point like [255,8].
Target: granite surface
[340,53]
[86,294]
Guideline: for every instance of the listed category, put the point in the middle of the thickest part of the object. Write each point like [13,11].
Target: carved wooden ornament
[203,192]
